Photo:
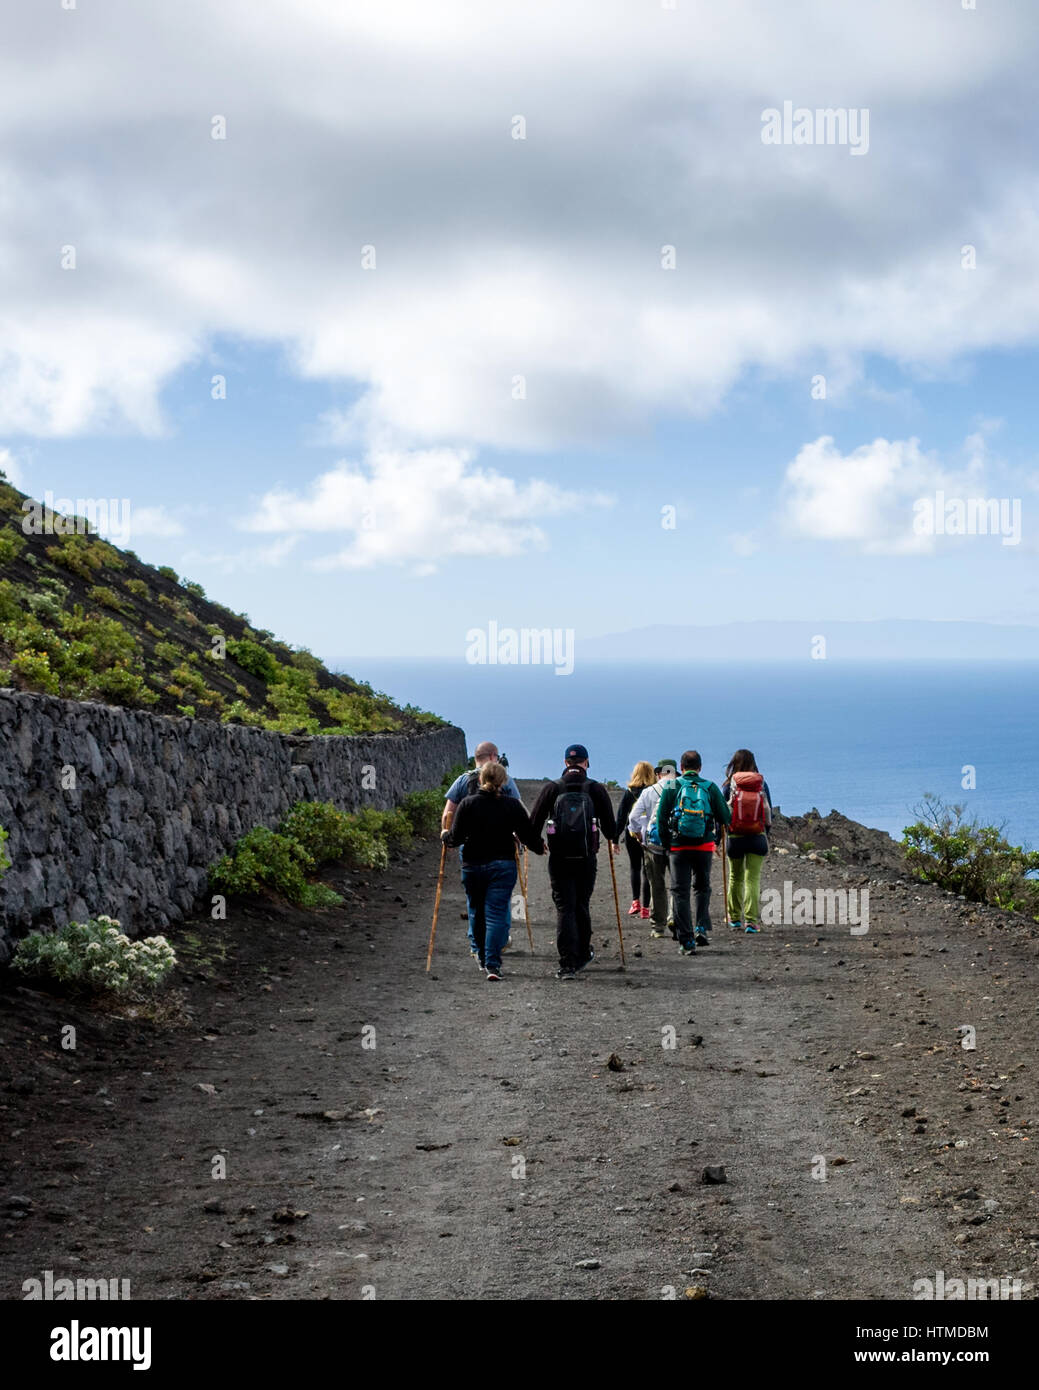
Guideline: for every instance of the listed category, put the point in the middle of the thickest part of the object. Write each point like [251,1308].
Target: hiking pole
[616,901]
[523,889]
[436,907]
[725,874]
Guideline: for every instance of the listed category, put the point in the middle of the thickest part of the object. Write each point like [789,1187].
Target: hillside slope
[84,620]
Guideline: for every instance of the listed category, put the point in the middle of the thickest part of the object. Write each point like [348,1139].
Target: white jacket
[644,812]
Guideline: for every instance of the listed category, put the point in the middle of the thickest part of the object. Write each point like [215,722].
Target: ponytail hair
[492,778]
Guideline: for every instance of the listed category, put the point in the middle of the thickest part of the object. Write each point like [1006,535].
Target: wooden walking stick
[616,901]
[436,907]
[725,875]
[521,875]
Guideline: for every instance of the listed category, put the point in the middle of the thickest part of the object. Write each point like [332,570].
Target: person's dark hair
[741,761]
[691,761]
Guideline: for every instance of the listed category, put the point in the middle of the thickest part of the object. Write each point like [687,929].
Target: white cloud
[12,469]
[153,521]
[419,507]
[390,125]
[867,497]
[743,544]
[272,555]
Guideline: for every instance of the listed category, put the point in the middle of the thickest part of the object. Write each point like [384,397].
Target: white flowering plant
[96,955]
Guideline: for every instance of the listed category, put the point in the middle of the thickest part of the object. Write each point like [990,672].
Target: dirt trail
[483,1148]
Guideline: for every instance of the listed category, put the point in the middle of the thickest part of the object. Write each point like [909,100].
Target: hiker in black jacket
[577,810]
[485,826]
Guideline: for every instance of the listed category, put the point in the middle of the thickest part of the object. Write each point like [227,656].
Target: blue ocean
[868,739]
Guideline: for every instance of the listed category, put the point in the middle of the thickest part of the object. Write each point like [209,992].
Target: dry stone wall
[122,812]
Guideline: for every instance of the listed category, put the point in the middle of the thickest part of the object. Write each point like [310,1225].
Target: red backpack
[749,807]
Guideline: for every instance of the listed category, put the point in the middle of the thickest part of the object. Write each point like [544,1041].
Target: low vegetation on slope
[84,620]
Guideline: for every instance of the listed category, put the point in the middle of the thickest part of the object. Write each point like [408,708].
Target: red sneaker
[644,914]
[635,908]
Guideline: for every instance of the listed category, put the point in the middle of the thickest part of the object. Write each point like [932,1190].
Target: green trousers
[745,889]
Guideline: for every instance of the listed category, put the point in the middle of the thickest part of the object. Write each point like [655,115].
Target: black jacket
[484,826]
[575,780]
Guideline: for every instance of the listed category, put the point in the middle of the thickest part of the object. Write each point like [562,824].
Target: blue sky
[371,485]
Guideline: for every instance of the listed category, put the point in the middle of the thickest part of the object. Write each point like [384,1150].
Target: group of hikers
[671,819]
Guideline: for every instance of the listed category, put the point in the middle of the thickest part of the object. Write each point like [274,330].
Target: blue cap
[576,753]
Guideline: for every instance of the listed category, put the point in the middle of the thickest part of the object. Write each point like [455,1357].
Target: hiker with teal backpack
[690,811]
[642,826]
[575,813]
[748,795]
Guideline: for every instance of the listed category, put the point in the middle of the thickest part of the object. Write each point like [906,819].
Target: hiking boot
[687,950]
[750,929]
[588,959]
[635,908]
[644,914]
[701,938]
[565,972]
[657,934]
[494,974]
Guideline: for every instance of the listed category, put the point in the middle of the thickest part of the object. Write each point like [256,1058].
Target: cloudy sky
[507,311]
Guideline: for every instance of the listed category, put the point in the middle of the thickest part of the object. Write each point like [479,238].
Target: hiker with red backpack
[690,810]
[575,812]
[642,777]
[642,826]
[748,795]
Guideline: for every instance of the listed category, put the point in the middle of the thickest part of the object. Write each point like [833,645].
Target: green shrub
[264,859]
[365,849]
[105,597]
[962,856]
[253,658]
[5,862]
[168,573]
[96,956]
[238,709]
[169,653]
[12,543]
[192,588]
[79,555]
[34,668]
[359,712]
[10,608]
[423,810]
[319,827]
[137,587]
[392,826]
[123,687]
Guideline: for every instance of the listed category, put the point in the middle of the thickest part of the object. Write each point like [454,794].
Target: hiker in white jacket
[642,826]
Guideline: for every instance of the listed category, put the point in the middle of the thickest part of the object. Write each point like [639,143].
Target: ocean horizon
[868,739]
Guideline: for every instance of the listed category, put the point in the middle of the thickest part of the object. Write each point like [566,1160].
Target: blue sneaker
[750,929]
[735,925]
[689,950]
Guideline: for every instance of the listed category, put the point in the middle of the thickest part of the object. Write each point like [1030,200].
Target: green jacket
[720,808]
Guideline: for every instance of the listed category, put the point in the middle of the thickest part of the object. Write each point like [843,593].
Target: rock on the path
[714,1173]
[587,1264]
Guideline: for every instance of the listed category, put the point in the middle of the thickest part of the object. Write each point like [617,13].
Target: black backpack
[574,833]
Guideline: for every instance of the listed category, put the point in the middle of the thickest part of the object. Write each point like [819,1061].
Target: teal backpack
[691,817]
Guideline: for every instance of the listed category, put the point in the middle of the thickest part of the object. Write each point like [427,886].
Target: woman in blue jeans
[486,826]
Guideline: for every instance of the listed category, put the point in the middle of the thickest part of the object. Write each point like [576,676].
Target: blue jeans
[691,869]
[488,891]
